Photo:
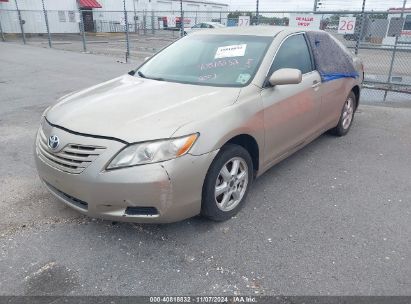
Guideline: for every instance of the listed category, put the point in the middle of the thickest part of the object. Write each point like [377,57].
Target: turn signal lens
[187,145]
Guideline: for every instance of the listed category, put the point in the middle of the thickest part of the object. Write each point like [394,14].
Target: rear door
[291,112]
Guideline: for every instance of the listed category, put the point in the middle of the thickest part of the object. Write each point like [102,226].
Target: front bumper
[172,188]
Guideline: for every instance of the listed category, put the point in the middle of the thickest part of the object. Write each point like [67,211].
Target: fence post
[362,21]
[135,17]
[145,22]
[47,23]
[394,51]
[152,23]
[1,33]
[83,34]
[257,19]
[21,23]
[126,29]
[181,19]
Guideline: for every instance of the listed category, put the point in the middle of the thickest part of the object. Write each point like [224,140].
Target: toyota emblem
[53,142]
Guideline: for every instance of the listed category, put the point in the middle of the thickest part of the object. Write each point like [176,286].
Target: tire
[345,122]
[221,207]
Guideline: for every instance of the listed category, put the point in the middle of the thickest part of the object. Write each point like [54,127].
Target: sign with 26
[346,25]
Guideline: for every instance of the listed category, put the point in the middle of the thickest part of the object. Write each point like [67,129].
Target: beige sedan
[188,131]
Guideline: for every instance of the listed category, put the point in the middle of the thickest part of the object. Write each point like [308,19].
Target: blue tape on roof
[331,60]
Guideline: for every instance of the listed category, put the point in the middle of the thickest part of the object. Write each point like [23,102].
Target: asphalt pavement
[333,219]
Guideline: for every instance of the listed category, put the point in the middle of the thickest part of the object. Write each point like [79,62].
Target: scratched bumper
[173,187]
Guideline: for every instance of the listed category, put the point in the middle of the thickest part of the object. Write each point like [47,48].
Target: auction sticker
[236,50]
[243,78]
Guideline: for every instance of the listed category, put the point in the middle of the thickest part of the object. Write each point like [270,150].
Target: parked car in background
[188,131]
[351,37]
[203,26]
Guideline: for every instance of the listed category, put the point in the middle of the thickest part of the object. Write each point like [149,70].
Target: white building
[396,25]
[105,15]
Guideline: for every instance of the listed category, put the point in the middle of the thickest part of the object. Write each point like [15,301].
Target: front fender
[243,117]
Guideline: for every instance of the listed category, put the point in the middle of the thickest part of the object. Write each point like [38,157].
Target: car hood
[136,109]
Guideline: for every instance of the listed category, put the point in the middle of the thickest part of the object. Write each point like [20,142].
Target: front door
[88,21]
[291,112]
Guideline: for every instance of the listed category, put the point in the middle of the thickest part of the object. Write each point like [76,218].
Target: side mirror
[285,76]
[132,73]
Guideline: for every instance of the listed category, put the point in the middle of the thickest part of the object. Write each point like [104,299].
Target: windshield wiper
[141,74]
[153,78]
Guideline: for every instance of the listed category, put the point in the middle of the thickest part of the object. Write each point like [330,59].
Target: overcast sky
[281,5]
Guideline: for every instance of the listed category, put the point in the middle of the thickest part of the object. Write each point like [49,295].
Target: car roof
[269,31]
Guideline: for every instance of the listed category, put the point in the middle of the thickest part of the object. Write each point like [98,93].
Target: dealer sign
[307,21]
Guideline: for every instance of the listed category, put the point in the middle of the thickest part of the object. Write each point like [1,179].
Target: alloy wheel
[231,184]
[348,113]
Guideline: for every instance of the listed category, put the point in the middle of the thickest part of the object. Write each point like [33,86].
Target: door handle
[316,84]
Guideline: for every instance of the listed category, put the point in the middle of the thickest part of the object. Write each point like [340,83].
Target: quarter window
[293,53]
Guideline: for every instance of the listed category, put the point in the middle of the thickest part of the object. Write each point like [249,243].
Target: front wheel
[227,182]
[347,116]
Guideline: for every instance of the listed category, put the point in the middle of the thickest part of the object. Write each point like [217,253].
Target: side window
[293,53]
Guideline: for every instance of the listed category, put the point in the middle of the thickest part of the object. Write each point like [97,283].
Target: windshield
[218,60]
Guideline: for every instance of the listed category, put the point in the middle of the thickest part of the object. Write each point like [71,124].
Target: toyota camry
[189,130]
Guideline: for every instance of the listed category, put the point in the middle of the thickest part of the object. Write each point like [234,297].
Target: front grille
[72,200]
[73,158]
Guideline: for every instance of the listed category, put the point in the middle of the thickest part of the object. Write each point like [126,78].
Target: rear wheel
[227,182]
[347,116]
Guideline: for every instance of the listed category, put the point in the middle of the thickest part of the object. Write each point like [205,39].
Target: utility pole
[257,12]
[315,5]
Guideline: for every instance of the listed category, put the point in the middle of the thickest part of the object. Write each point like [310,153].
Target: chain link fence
[381,39]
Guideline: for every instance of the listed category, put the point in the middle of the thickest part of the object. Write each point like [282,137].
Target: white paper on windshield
[236,50]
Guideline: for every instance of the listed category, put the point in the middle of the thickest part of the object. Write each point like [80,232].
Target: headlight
[153,151]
